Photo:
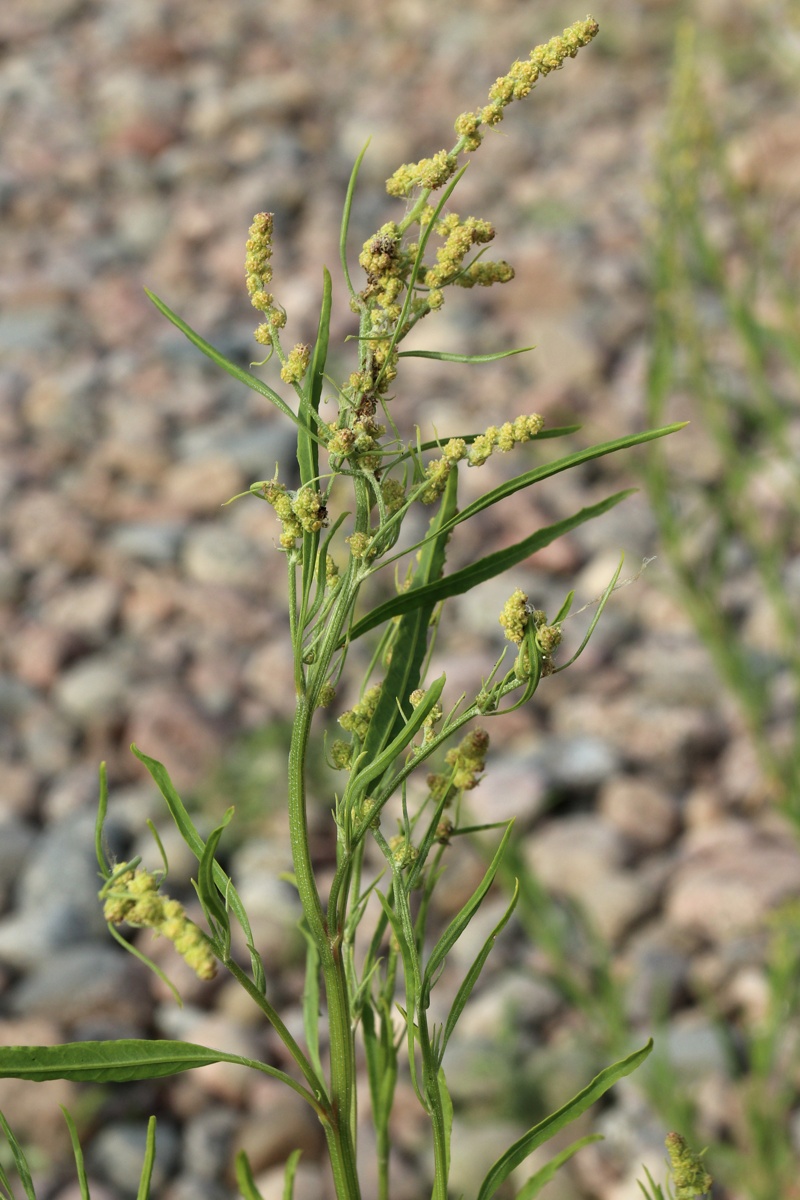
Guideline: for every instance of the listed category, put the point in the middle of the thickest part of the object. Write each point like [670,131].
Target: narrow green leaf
[374,769]
[289,1173]
[443,356]
[146,1176]
[307,441]
[20,1161]
[211,896]
[216,356]
[102,809]
[540,1133]
[536,1182]
[479,572]
[562,464]
[245,1180]
[192,838]
[80,1168]
[462,918]
[447,1113]
[148,962]
[473,974]
[348,205]
[410,644]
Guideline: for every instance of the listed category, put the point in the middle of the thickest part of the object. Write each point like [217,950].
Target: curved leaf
[20,1162]
[77,1153]
[557,1120]
[216,356]
[146,1176]
[479,572]
[536,1182]
[245,1180]
[444,356]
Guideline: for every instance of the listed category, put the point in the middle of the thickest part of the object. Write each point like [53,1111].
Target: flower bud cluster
[428,173]
[433,718]
[689,1174]
[515,618]
[356,720]
[521,78]
[504,438]
[403,853]
[459,237]
[258,271]
[300,512]
[467,761]
[296,364]
[135,900]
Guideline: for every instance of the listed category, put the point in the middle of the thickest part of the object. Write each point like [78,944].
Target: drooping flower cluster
[259,273]
[134,899]
[521,77]
[467,761]
[504,438]
[515,618]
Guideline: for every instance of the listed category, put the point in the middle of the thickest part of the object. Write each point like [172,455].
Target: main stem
[339,1131]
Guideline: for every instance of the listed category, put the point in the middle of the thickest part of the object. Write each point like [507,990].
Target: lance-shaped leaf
[444,356]
[536,1182]
[410,644]
[20,1162]
[245,1180]
[196,844]
[212,897]
[461,920]
[216,356]
[146,1177]
[540,1133]
[77,1153]
[375,768]
[123,1061]
[485,568]
[307,437]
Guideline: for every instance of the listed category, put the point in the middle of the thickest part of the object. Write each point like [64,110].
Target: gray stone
[207,1143]
[80,983]
[94,689]
[15,842]
[150,542]
[219,554]
[577,762]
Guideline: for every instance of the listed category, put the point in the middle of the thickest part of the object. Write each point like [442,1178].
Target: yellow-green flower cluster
[467,761]
[689,1175]
[459,237]
[327,695]
[403,853]
[304,512]
[258,272]
[515,616]
[504,438]
[394,495]
[433,718]
[341,754]
[359,545]
[521,78]
[356,720]
[135,899]
[428,173]
[296,364]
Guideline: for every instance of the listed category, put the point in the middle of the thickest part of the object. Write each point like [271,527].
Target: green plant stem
[328,945]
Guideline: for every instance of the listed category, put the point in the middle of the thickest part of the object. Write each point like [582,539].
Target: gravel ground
[138,140]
